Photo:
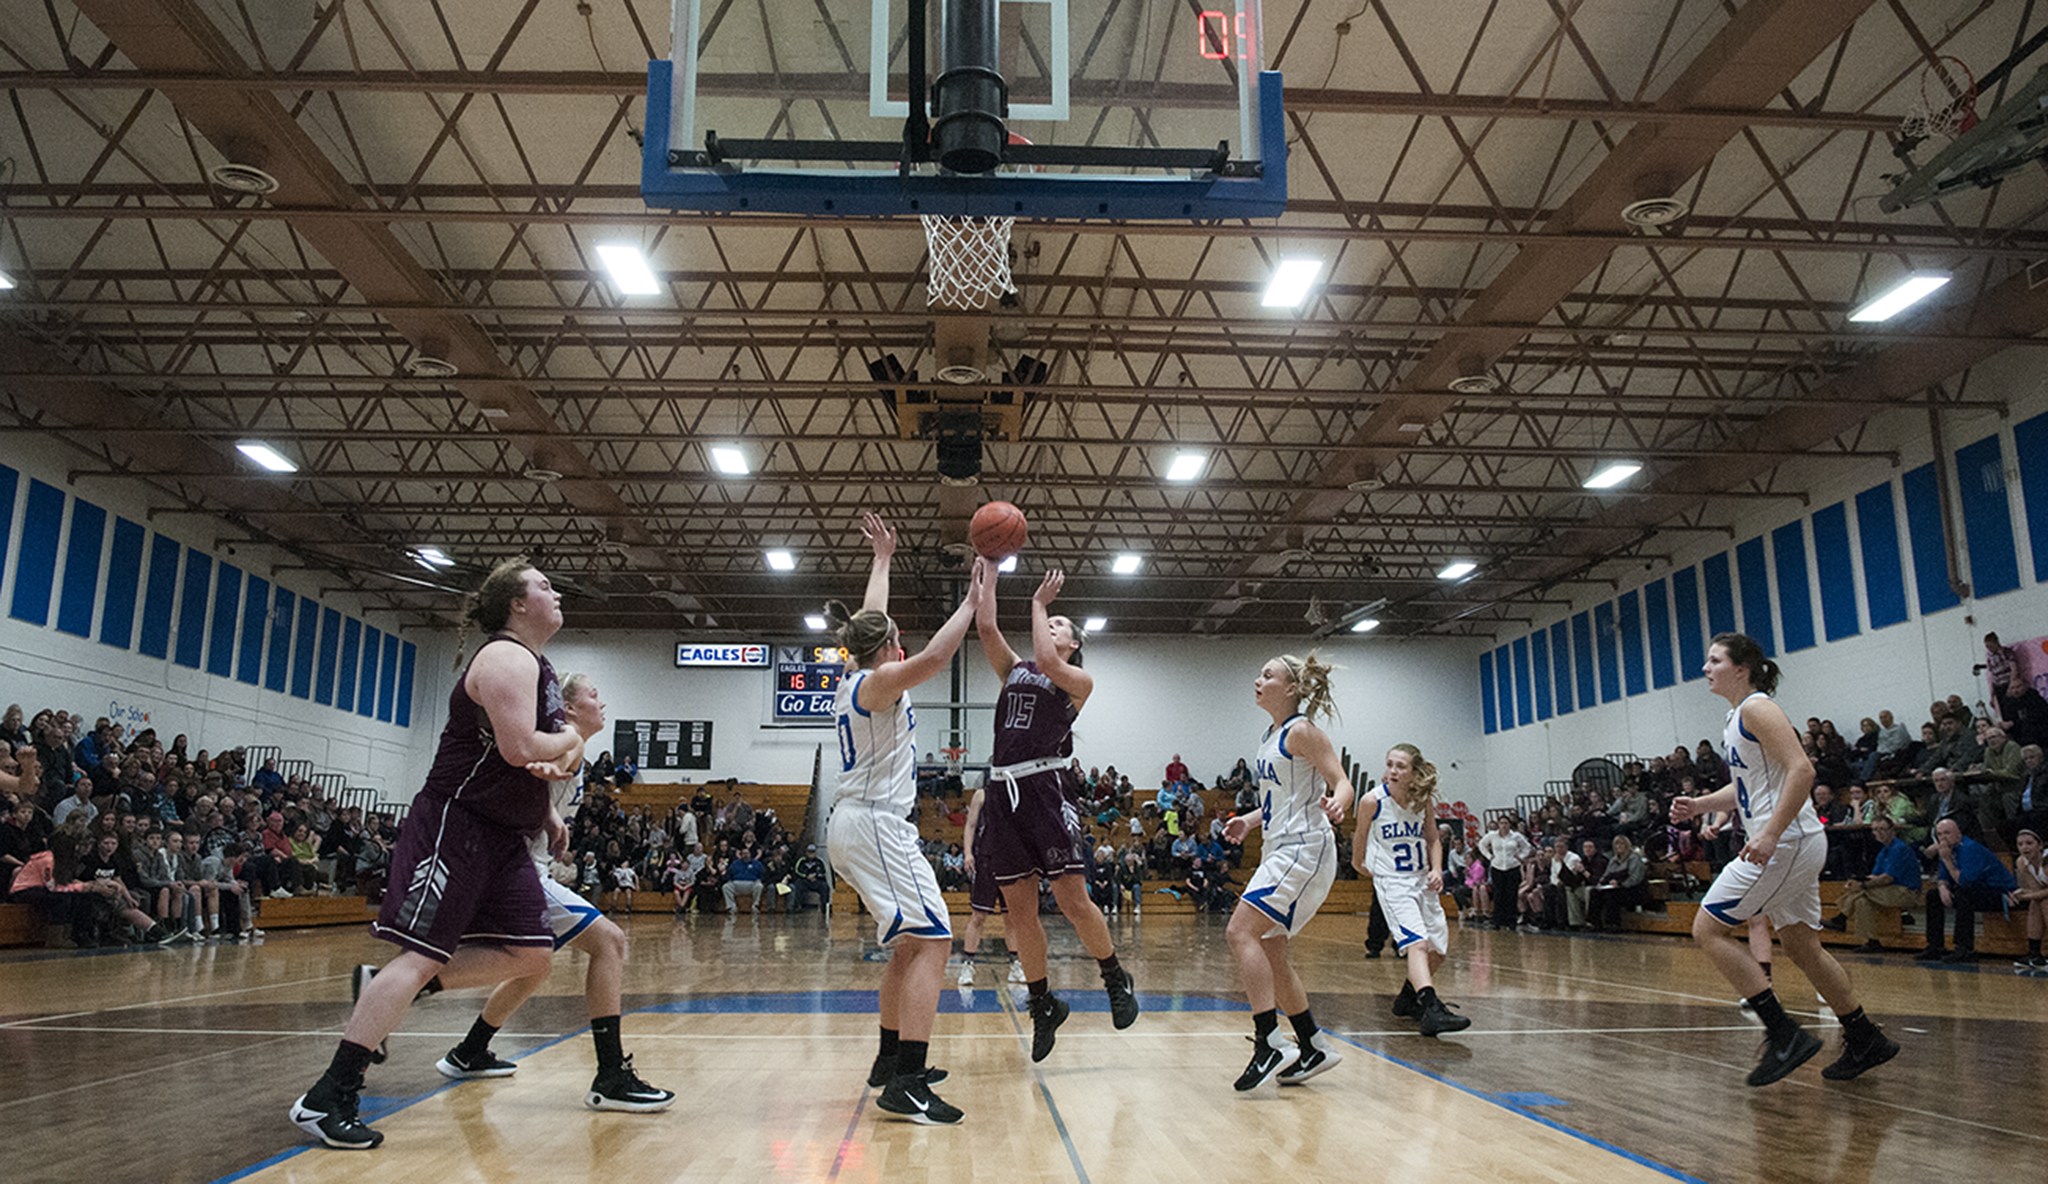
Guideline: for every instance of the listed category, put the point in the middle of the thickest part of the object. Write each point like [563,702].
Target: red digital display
[1214,39]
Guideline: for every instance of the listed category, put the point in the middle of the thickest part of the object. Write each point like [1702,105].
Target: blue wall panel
[1635,676]
[1657,617]
[1582,659]
[330,646]
[387,678]
[124,583]
[1685,606]
[1795,587]
[1525,702]
[1561,664]
[1607,640]
[255,614]
[1720,597]
[305,651]
[1884,572]
[1488,714]
[2030,440]
[192,609]
[366,685]
[10,480]
[277,673]
[80,592]
[35,567]
[1539,658]
[351,653]
[1504,685]
[1837,573]
[406,655]
[227,608]
[1924,531]
[1756,594]
[1987,518]
[160,597]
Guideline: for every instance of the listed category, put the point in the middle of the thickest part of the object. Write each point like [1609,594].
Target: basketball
[997,530]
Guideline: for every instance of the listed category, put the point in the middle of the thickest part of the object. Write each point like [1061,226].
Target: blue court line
[846,1140]
[1059,1124]
[1503,1101]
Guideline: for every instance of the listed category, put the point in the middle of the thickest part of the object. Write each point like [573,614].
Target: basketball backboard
[1113,110]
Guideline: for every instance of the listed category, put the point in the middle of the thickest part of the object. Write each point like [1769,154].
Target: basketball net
[1944,108]
[969,260]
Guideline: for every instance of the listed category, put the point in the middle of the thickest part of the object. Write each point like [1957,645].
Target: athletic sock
[604,1032]
[1772,1013]
[1304,1026]
[1857,1028]
[1037,988]
[910,1055]
[891,1043]
[1767,971]
[478,1040]
[1265,1023]
[2033,947]
[345,1071]
[1111,968]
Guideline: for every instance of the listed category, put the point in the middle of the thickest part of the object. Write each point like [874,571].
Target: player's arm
[973,817]
[503,681]
[1723,798]
[1001,658]
[1313,744]
[881,539]
[891,679]
[1366,814]
[1773,731]
[1076,682]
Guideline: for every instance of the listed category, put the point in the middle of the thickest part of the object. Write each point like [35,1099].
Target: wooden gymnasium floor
[1609,1059]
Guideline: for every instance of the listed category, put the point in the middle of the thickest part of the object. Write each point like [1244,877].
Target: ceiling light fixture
[1095,624]
[816,622]
[1127,565]
[629,270]
[263,454]
[6,281]
[1365,625]
[1901,296]
[1291,282]
[431,558]
[544,476]
[242,178]
[1009,563]
[429,366]
[1613,474]
[781,561]
[1457,570]
[729,460]
[1187,465]
[1654,211]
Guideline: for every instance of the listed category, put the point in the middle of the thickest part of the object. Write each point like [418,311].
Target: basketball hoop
[1946,109]
[955,757]
[969,258]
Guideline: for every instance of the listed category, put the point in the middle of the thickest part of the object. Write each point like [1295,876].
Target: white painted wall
[1902,667]
[42,667]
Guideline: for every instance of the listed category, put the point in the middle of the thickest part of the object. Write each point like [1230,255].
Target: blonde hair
[1422,785]
[576,684]
[862,633]
[1311,679]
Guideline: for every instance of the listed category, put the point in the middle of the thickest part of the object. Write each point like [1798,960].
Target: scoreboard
[806,679]
[663,743]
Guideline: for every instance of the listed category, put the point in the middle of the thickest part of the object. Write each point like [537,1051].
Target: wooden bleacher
[1996,935]
[660,797]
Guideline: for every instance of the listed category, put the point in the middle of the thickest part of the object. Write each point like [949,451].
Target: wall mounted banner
[721,655]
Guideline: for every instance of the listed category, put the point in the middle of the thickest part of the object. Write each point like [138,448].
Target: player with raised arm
[1026,832]
[1303,792]
[1399,844]
[871,841]
[1778,872]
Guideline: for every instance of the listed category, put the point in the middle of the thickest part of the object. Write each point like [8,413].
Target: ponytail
[1311,679]
[1422,782]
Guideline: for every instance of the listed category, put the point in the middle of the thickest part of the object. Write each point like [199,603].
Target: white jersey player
[1302,791]
[1397,843]
[869,838]
[1778,873]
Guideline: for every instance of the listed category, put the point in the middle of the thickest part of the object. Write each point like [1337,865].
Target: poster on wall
[663,743]
[130,718]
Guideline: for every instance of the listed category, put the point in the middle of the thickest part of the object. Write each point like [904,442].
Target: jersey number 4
[1742,796]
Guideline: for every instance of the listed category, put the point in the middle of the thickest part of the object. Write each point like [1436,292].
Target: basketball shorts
[878,854]
[982,892]
[1293,880]
[457,878]
[568,914]
[1413,913]
[1028,836]
[1787,889]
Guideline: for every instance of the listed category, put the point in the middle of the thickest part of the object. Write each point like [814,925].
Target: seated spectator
[1176,771]
[1529,898]
[808,880]
[1130,877]
[237,917]
[1102,884]
[1566,891]
[313,873]
[953,869]
[1184,851]
[1968,879]
[2024,711]
[1905,815]
[625,881]
[2030,797]
[267,780]
[1893,883]
[744,878]
[80,803]
[19,840]
[1624,885]
[2031,897]
[1948,802]
[1932,752]
[1863,751]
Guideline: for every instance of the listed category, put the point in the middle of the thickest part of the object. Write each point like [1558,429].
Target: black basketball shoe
[463,1066]
[1438,1018]
[1048,1012]
[1406,1006]
[622,1089]
[1778,1059]
[1318,1056]
[329,1115]
[884,1068]
[911,1096]
[1123,1001]
[1854,1061]
[1269,1056]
